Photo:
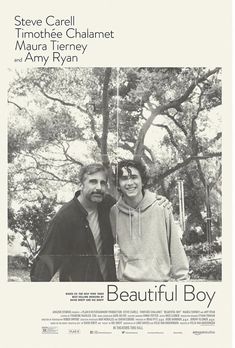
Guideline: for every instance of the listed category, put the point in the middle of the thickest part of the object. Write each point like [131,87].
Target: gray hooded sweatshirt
[150,247]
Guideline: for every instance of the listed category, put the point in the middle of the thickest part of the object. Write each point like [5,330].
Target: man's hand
[163,201]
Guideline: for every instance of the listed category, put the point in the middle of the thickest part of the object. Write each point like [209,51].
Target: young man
[79,241]
[150,248]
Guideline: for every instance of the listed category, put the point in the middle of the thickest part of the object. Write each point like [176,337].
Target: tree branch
[105,113]
[186,162]
[83,110]
[180,126]
[161,109]
[217,137]
[176,103]
[219,173]
[153,157]
[126,146]
[38,166]
[147,160]
[61,101]
[19,107]
[67,156]
[200,172]
[170,135]
[199,109]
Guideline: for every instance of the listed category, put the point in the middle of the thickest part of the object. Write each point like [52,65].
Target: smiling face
[94,187]
[130,183]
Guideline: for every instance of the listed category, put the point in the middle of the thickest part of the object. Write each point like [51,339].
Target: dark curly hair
[139,165]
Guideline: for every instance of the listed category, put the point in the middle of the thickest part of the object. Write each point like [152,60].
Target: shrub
[206,268]
[203,249]
[17,262]
[205,260]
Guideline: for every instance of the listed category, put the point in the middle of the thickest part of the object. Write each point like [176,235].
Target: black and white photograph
[115,174]
[116,177]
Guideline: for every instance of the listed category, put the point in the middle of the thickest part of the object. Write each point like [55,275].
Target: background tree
[30,222]
[60,119]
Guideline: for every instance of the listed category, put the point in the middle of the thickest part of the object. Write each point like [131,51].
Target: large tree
[63,118]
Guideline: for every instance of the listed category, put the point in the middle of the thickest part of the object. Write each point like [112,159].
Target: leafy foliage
[206,269]
[204,249]
[205,260]
[62,118]
[30,222]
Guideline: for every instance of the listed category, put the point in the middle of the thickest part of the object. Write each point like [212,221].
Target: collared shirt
[69,245]
[93,220]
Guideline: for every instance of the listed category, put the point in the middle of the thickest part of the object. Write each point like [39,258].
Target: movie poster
[116,174]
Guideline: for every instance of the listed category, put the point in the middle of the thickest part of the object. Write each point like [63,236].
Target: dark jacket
[69,245]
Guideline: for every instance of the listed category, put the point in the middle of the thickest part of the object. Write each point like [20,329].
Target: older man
[79,241]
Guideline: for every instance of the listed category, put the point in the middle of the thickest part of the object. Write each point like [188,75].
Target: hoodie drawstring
[139,222]
[130,223]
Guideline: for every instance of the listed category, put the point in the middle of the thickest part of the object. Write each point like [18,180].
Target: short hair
[92,169]
[137,164]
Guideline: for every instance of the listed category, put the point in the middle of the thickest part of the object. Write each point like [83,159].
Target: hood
[134,214]
[149,199]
